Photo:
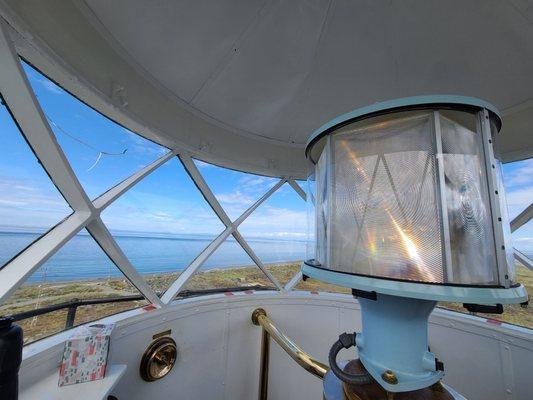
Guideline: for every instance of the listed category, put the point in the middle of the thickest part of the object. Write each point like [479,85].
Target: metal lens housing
[411,192]
[158,359]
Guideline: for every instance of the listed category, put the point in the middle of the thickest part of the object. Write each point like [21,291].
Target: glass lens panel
[236,191]
[79,270]
[385,216]
[387,198]
[162,224]
[101,152]
[468,207]
[30,204]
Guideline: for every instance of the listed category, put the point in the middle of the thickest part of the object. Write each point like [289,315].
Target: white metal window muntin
[203,187]
[27,111]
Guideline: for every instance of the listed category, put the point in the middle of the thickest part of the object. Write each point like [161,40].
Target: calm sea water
[82,258]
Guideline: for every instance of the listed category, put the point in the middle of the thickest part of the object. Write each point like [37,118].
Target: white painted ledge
[47,389]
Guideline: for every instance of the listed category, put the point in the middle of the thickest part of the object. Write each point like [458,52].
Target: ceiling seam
[93,19]
[520,12]
[233,51]
[306,86]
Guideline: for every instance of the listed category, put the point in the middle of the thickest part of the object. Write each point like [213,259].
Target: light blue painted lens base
[395,338]
[422,291]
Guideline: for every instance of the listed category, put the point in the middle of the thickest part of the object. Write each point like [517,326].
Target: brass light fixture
[158,359]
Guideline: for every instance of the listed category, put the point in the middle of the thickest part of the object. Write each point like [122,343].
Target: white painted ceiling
[277,70]
[283,68]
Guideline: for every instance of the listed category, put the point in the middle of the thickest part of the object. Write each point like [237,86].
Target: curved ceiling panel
[244,82]
[180,44]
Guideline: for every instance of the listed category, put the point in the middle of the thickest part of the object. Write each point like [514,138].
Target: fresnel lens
[409,210]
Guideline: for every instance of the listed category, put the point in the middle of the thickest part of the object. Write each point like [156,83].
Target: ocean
[82,258]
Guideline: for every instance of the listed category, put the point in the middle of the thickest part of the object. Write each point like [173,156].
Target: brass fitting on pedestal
[389,377]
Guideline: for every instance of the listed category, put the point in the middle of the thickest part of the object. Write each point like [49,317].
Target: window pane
[79,270]
[29,202]
[276,231]
[101,152]
[162,224]
[236,191]
[228,267]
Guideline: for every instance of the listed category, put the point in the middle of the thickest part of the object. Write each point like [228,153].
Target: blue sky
[166,202]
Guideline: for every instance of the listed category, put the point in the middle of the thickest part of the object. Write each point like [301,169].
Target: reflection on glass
[385,215]
[379,197]
[468,208]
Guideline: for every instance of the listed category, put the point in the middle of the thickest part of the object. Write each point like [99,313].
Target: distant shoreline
[154,274]
[152,235]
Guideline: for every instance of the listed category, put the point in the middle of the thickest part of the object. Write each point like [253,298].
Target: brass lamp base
[374,391]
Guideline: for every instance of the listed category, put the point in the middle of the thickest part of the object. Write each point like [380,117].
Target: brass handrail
[315,367]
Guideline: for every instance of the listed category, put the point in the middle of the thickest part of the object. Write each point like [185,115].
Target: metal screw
[389,377]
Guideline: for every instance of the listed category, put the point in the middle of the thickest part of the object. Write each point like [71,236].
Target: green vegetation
[33,296]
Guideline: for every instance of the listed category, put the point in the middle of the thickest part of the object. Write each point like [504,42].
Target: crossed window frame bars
[34,126]
[27,113]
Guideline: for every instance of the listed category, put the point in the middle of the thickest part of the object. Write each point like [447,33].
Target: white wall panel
[219,349]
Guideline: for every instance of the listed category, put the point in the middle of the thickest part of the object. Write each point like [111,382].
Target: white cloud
[518,200]
[234,198]
[269,221]
[524,239]
[523,175]
[250,189]
[202,164]
[140,211]
[141,146]
[30,203]
[160,216]
[254,181]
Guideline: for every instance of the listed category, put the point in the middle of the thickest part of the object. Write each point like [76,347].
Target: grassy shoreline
[36,295]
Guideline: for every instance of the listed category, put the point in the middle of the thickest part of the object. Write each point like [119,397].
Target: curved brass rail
[315,367]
